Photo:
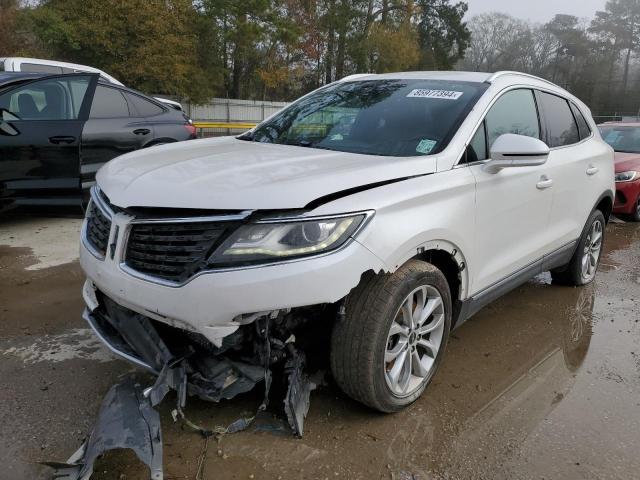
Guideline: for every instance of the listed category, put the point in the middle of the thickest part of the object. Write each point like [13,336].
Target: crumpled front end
[214,372]
[157,266]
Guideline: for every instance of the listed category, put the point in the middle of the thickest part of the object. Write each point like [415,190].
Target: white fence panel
[233,110]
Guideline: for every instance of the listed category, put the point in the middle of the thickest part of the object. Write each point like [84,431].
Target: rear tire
[399,320]
[583,266]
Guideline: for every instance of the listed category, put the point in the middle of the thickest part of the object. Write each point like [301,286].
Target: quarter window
[477,149]
[108,103]
[514,112]
[562,129]
[583,126]
[144,107]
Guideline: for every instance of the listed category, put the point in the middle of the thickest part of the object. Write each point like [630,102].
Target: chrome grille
[174,251]
[98,228]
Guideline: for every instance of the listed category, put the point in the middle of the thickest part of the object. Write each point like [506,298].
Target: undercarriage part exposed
[299,386]
[189,364]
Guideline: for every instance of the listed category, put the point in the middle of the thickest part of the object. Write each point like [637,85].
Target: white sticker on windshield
[427,93]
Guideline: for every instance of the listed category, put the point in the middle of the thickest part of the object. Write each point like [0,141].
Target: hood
[625,162]
[230,174]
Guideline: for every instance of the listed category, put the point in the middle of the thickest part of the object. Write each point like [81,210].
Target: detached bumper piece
[296,402]
[191,365]
[126,421]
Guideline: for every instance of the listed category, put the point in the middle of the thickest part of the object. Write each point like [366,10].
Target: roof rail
[509,72]
[355,76]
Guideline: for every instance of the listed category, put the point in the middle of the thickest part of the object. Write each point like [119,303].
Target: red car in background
[625,140]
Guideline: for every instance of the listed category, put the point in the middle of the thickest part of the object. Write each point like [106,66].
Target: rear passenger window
[514,112]
[561,127]
[144,107]
[583,126]
[108,103]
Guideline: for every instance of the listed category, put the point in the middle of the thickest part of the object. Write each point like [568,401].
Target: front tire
[583,266]
[390,343]
[635,216]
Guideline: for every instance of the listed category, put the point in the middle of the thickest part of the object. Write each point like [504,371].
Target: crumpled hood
[230,174]
[625,162]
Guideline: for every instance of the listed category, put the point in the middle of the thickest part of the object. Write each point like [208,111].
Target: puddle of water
[79,343]
[52,241]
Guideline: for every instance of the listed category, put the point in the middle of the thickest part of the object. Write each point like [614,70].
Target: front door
[512,205]
[40,137]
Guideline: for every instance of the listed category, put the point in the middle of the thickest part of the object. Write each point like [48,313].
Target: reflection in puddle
[512,365]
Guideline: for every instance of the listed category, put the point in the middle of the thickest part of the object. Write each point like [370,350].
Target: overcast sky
[537,10]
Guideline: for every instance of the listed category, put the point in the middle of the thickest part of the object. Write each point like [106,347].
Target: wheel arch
[605,204]
[449,259]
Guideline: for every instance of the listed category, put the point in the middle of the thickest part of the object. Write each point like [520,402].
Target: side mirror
[511,150]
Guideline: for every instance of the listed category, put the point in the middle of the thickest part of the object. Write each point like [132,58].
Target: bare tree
[494,40]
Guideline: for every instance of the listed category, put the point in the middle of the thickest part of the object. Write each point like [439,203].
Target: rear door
[40,135]
[568,163]
[114,128]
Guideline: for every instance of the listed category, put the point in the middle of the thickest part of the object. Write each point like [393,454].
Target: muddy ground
[544,383]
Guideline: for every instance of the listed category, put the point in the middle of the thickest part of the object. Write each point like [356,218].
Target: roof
[478,77]
[76,67]
[454,75]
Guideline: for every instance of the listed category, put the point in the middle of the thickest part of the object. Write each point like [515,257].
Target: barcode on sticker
[427,93]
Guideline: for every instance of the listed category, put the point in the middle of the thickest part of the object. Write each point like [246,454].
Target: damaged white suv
[380,210]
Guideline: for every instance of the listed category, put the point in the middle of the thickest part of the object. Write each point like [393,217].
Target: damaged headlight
[273,240]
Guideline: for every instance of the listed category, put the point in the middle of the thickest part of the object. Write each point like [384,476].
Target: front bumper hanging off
[191,365]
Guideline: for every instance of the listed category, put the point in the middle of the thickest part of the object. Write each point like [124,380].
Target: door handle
[592,170]
[61,139]
[142,131]
[544,183]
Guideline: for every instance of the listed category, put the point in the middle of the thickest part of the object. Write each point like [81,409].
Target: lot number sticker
[427,93]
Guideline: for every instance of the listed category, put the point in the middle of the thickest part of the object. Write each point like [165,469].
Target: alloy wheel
[592,250]
[414,339]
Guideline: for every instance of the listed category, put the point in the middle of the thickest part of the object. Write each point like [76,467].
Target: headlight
[274,240]
[626,176]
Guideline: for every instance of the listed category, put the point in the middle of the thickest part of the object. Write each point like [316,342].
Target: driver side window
[514,112]
[49,99]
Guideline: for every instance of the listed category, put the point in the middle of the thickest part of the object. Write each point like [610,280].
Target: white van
[20,64]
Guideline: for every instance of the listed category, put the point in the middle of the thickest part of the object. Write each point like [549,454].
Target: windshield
[379,117]
[622,139]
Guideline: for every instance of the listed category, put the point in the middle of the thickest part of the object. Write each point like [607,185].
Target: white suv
[383,209]
[37,65]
